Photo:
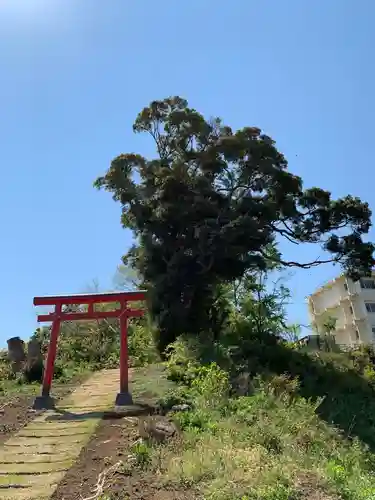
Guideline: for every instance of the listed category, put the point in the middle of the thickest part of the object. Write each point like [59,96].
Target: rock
[182,407]
[157,429]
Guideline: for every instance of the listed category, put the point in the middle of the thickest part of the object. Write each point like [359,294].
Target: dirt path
[112,443]
[16,409]
[35,459]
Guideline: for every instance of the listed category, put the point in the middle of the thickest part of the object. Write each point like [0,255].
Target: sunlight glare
[34,12]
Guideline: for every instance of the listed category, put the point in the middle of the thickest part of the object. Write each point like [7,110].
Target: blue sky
[74,74]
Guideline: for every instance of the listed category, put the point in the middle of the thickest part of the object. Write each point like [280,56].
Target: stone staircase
[35,459]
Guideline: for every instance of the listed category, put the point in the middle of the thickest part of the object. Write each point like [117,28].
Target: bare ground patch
[104,461]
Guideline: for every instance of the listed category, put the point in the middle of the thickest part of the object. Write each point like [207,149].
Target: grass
[272,445]
[261,447]
[150,383]
[13,387]
[17,390]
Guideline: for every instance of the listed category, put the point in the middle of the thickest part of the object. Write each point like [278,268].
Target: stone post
[34,366]
[16,353]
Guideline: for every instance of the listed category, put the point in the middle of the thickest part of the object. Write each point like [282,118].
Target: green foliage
[183,360]
[255,326]
[363,358]
[346,396]
[197,420]
[85,343]
[211,383]
[207,381]
[284,386]
[96,345]
[259,319]
[341,385]
[207,208]
[142,453]
[141,345]
[6,372]
[176,396]
[270,445]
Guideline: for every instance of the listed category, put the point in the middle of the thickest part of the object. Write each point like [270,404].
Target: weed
[142,453]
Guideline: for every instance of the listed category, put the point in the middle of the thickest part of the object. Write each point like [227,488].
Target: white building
[353,306]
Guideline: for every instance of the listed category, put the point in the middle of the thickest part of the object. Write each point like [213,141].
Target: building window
[370,307]
[356,334]
[346,286]
[351,309]
[367,283]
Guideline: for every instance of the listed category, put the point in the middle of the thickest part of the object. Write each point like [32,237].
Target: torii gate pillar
[123,313]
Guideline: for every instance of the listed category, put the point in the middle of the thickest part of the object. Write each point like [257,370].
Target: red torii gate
[58,315]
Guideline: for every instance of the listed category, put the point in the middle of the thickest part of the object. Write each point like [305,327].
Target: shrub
[211,383]
[176,396]
[284,386]
[6,372]
[360,360]
[182,361]
[369,374]
[141,345]
[199,420]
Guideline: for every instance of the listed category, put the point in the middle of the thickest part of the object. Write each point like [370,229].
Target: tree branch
[300,265]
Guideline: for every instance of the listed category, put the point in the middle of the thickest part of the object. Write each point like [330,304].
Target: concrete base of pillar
[123,399]
[44,403]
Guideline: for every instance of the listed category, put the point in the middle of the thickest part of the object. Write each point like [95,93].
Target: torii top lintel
[90,299]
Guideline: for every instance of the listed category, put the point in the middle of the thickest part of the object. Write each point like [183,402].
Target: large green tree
[208,205]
